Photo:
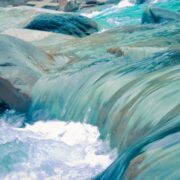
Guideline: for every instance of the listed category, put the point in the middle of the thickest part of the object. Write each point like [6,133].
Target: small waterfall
[133,104]
[113,97]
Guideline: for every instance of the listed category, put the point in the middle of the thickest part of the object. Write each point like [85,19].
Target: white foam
[70,133]
[124,3]
[53,150]
[92,14]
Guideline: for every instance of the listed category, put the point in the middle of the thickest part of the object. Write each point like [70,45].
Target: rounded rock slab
[70,24]
[21,65]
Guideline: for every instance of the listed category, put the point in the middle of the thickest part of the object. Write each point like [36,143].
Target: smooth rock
[159,15]
[21,65]
[17,52]
[27,35]
[4,3]
[75,25]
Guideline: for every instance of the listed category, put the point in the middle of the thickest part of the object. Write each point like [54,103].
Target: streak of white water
[124,3]
[91,14]
[52,150]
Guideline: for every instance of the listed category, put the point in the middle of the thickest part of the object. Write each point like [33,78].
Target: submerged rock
[116,51]
[75,25]
[159,15]
[21,65]
[133,52]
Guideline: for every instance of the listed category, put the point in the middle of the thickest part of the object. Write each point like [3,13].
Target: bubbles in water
[52,150]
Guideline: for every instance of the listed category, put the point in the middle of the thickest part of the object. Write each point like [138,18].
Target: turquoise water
[115,17]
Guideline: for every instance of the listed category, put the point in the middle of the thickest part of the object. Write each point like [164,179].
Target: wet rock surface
[159,15]
[21,65]
[75,25]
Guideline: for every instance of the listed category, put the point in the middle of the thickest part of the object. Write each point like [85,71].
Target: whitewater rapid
[52,150]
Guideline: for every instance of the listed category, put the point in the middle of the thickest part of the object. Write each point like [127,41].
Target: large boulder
[21,65]
[70,24]
[159,15]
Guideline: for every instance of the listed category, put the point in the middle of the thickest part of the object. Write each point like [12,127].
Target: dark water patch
[3,107]
[7,64]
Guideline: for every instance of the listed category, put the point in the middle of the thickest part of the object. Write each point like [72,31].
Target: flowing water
[100,109]
[52,150]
